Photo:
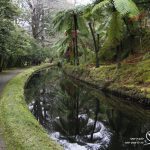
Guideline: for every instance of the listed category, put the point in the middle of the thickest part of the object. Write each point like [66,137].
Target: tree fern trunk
[95,45]
[76,38]
[97,51]
[74,51]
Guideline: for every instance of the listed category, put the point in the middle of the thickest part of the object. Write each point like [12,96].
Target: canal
[80,117]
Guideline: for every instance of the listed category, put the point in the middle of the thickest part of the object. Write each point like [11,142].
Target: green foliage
[109,18]
[129,79]
[113,28]
[17,47]
[115,31]
[63,21]
[7,14]
[8,10]
[100,6]
[126,7]
[21,48]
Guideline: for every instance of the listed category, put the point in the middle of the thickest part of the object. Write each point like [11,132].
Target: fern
[126,7]
[62,20]
[82,25]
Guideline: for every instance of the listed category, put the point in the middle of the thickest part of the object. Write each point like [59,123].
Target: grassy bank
[21,130]
[130,80]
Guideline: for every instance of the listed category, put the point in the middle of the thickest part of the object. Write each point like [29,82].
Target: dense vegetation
[17,46]
[106,31]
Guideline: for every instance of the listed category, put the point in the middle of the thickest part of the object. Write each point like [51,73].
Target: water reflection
[81,118]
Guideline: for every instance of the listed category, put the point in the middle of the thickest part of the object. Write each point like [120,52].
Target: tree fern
[113,12]
[64,21]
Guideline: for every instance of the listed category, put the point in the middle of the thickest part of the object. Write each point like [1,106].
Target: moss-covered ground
[131,79]
[21,130]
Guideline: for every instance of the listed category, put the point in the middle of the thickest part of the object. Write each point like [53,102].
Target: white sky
[80,2]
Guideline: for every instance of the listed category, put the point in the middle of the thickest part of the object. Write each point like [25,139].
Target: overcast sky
[80,2]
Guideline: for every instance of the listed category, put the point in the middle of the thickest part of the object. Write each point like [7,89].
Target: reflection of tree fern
[71,122]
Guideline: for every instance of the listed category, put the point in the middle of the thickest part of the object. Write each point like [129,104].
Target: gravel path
[5,76]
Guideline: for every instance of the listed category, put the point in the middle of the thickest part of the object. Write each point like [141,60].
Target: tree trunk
[97,56]
[74,51]
[95,45]
[76,38]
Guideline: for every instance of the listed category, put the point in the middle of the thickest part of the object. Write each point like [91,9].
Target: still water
[80,117]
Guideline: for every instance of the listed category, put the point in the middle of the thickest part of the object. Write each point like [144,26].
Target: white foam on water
[103,136]
[65,143]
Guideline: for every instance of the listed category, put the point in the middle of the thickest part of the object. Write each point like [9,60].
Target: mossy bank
[131,81]
[21,130]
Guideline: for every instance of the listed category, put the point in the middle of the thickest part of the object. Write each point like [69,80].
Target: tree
[72,22]
[37,19]
[114,21]
[8,12]
[95,35]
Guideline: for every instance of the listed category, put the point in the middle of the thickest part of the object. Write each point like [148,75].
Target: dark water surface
[83,118]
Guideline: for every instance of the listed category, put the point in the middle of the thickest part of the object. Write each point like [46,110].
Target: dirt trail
[5,76]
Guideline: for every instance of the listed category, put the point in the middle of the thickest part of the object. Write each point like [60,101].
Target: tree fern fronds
[100,6]
[62,20]
[115,31]
[82,25]
[87,12]
[126,7]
